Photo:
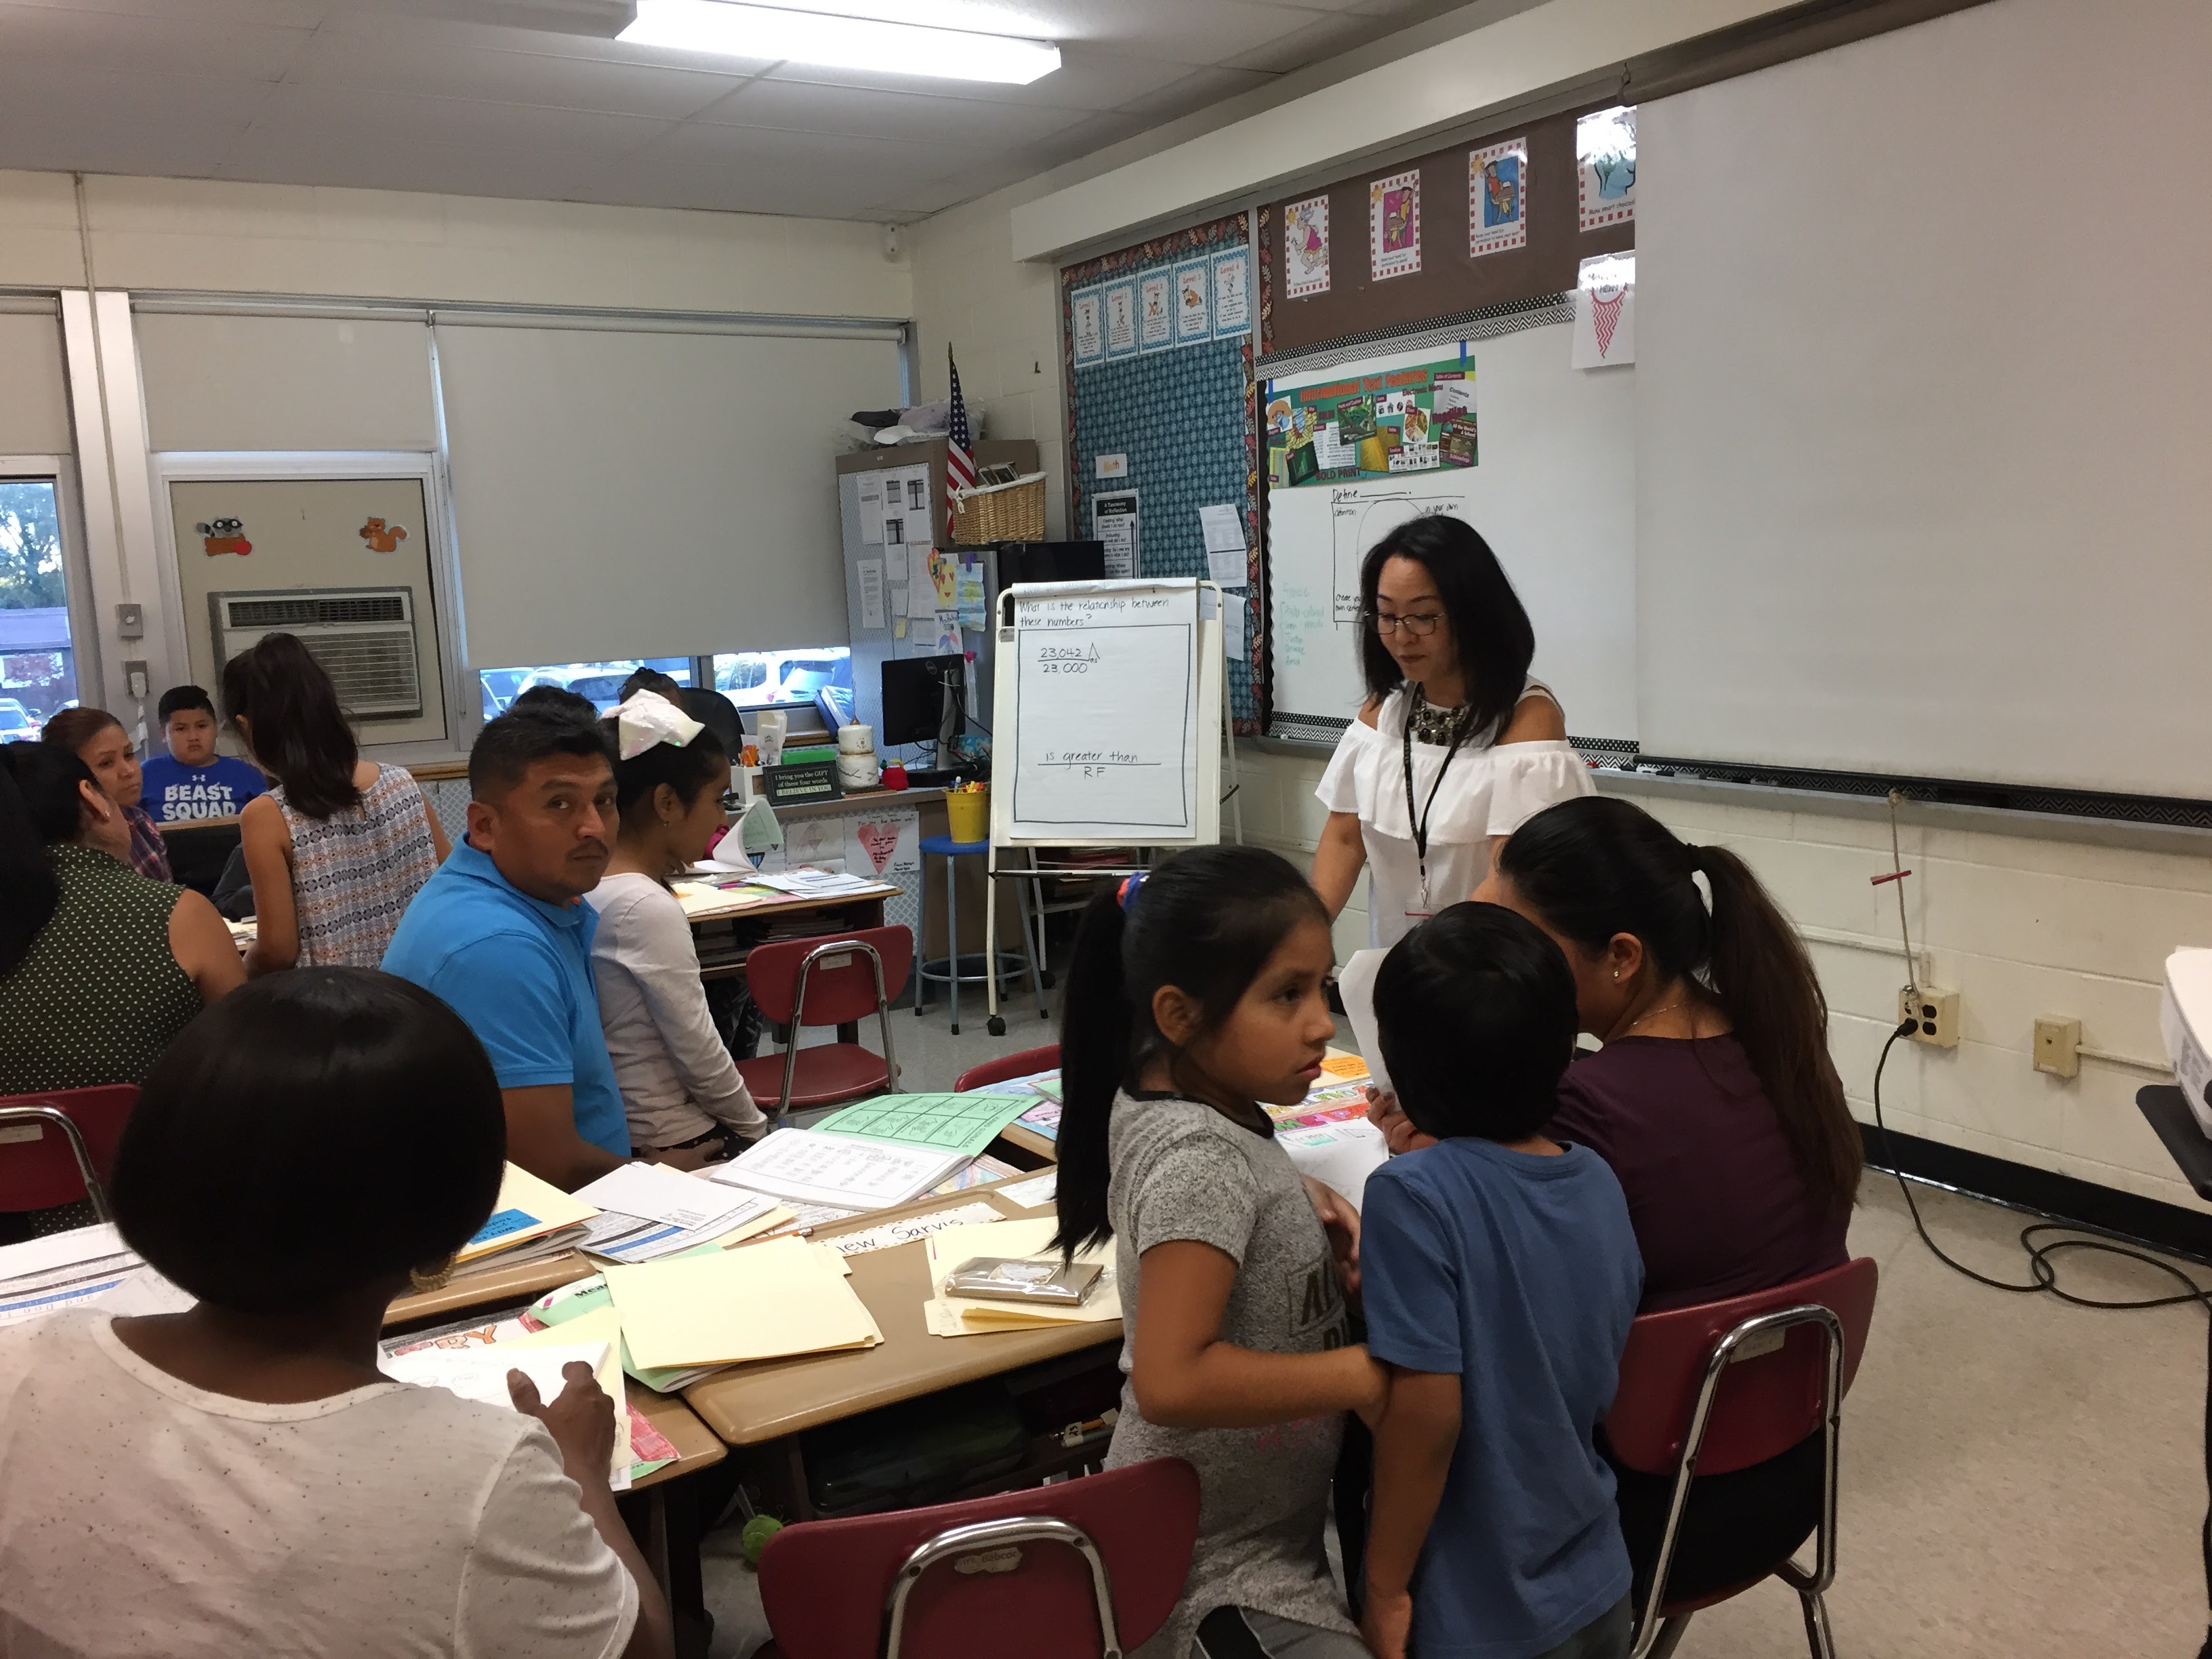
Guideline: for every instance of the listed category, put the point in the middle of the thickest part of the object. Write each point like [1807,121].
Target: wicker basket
[999,513]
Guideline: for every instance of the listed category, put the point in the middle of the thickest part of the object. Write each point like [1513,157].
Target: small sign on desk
[800,781]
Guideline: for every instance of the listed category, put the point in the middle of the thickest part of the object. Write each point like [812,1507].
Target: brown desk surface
[779,1397]
[499,1288]
[781,907]
[696,1446]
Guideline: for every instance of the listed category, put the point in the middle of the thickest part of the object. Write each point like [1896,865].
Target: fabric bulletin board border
[1182,410]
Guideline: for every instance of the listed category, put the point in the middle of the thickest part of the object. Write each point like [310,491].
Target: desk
[721,932]
[761,1409]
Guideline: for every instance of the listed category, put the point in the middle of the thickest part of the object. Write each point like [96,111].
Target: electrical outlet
[2059,1046]
[1934,1014]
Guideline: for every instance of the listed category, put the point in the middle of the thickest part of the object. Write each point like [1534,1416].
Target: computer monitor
[915,693]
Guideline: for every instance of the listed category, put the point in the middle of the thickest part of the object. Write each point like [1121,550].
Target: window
[38,663]
[601,682]
[760,679]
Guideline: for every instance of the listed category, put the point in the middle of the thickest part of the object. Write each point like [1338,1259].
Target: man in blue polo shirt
[502,935]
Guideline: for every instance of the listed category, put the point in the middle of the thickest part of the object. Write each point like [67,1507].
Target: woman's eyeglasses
[1418,625]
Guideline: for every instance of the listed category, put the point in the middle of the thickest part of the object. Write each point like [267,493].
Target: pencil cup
[968,814]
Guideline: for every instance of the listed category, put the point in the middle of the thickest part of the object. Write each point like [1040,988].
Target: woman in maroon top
[1714,1100]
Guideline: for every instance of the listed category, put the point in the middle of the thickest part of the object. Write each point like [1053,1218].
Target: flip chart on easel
[1111,714]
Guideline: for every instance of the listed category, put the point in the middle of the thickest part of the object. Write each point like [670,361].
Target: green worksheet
[945,1123]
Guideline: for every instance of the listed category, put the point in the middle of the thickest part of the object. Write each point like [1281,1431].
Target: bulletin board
[1159,355]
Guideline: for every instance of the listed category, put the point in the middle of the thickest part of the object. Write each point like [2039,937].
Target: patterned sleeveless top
[354,873]
[99,995]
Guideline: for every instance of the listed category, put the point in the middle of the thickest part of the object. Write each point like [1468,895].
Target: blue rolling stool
[954,969]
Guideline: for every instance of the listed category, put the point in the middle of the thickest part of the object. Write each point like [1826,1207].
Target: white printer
[2184,1018]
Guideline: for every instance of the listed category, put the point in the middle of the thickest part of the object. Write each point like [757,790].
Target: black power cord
[2043,1277]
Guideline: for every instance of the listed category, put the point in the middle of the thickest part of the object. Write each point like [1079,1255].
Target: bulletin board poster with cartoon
[1414,412]
[277,536]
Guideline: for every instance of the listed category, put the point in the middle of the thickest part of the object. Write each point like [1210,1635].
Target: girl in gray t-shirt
[1196,994]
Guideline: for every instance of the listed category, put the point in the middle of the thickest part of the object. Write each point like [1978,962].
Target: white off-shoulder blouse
[1490,789]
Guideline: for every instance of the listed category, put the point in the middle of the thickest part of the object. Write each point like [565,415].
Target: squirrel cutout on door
[381,539]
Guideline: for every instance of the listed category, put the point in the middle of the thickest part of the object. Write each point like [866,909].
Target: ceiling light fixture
[734,30]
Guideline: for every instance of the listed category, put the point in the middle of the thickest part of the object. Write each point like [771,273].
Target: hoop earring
[435,1277]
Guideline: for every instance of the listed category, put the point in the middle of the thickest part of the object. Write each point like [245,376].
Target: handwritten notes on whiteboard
[1108,742]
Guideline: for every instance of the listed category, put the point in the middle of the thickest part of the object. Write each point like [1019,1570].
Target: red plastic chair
[826,982]
[875,1587]
[59,1146]
[998,1071]
[1723,1385]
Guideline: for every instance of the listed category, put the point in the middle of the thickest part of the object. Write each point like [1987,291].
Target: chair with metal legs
[1723,1386]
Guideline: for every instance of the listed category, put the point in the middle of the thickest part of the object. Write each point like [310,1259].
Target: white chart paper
[1108,736]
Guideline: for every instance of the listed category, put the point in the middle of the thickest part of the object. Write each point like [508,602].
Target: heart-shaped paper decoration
[879,842]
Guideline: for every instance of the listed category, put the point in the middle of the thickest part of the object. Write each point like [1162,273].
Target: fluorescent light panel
[734,30]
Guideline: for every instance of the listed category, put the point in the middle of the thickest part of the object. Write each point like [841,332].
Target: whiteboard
[1553,493]
[1107,714]
[1922,373]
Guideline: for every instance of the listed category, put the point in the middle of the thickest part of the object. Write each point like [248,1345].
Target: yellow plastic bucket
[969,813]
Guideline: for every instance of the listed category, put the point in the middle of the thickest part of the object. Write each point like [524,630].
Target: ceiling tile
[1194,91]
[1323,36]
[1088,78]
[800,107]
[59,38]
[321,117]
[452,169]
[1180,30]
[395,59]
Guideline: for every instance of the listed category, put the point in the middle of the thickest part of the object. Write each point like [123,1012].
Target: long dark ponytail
[1205,921]
[39,805]
[1598,866]
[298,732]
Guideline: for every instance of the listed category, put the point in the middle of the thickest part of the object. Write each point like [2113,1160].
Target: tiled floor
[2021,1479]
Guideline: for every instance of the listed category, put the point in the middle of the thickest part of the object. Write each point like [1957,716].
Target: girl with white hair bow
[686,1103]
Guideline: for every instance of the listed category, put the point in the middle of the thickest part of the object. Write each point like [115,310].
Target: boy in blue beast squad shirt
[191,781]
[1500,1275]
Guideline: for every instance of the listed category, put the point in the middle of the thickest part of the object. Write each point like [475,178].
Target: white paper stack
[845,1172]
[647,1211]
[79,1267]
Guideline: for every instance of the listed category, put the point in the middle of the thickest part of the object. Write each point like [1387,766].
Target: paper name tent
[528,1211]
[764,1302]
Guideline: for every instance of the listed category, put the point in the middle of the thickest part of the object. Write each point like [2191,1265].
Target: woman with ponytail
[1196,994]
[1714,1100]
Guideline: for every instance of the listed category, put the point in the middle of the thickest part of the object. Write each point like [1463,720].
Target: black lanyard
[1420,825]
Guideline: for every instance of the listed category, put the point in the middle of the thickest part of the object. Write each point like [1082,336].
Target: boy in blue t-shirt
[191,781]
[1500,1274]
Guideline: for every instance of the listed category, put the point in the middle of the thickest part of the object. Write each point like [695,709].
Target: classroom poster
[1305,248]
[1193,315]
[1114,521]
[1121,319]
[1232,293]
[1394,224]
[1413,412]
[1087,315]
[1498,197]
[1156,329]
[871,573]
[1605,151]
[871,509]
[1605,312]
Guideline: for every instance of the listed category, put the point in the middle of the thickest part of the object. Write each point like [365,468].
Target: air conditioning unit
[364,638]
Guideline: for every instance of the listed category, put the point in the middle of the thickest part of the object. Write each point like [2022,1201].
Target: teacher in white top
[1455,745]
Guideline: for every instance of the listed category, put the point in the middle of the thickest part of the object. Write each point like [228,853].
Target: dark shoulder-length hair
[1490,629]
[297,731]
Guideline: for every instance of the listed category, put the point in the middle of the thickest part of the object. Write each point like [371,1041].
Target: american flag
[959,465]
